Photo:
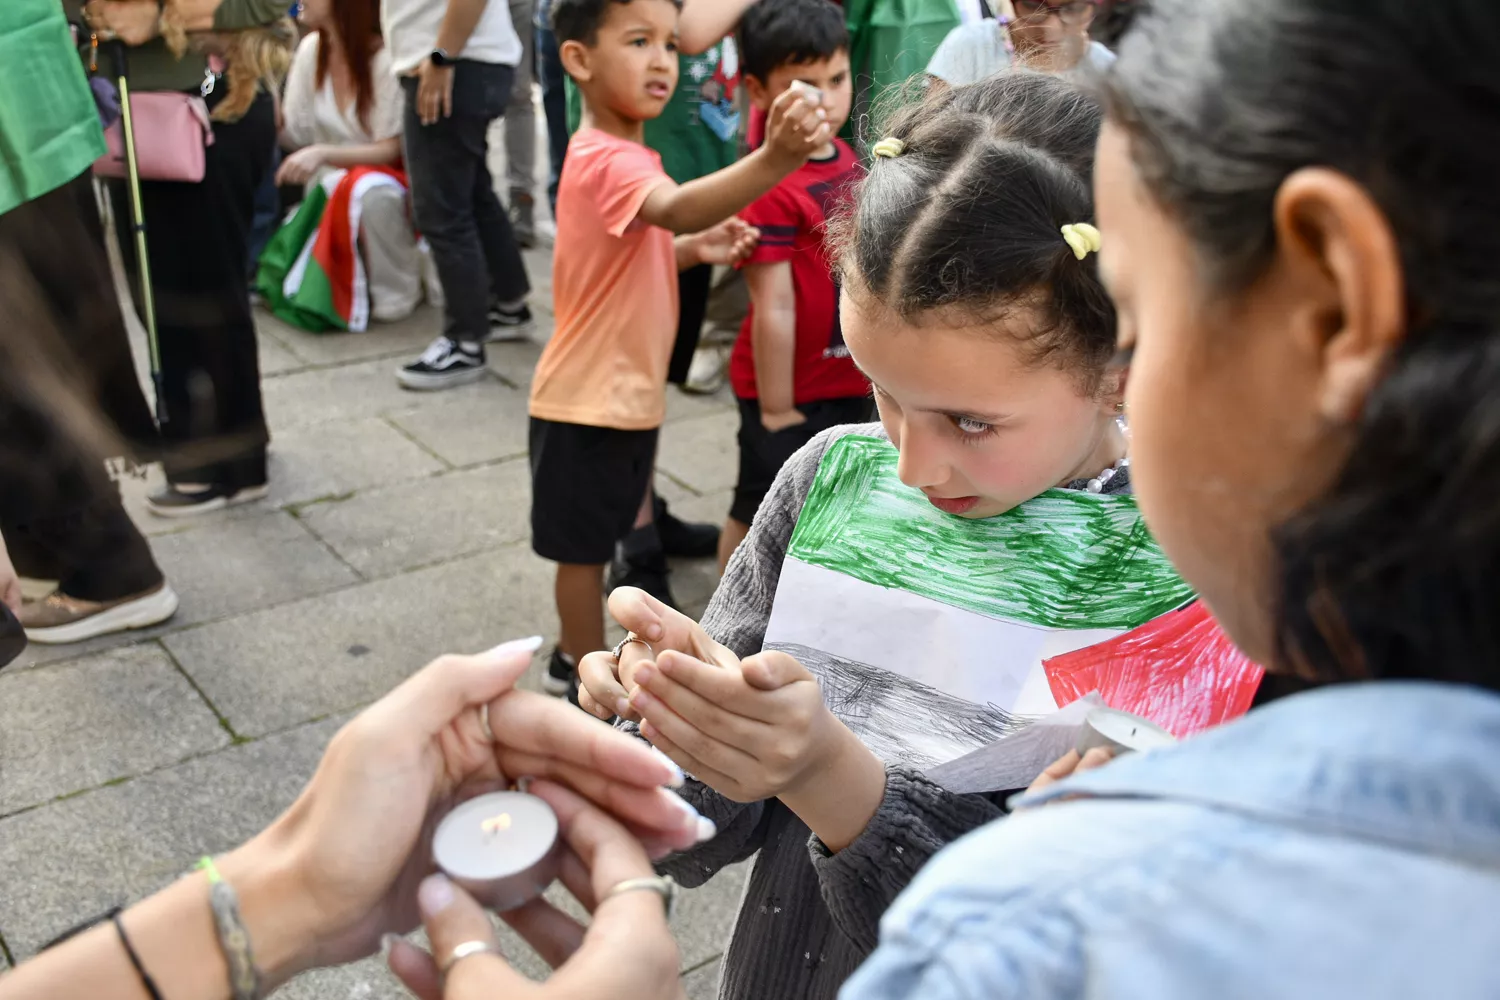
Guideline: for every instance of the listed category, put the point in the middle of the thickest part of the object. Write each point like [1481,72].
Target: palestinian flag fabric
[934,635]
[311,274]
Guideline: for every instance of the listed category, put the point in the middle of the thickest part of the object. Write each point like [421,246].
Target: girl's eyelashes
[970,429]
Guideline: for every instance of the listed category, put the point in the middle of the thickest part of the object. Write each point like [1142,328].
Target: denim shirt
[1340,843]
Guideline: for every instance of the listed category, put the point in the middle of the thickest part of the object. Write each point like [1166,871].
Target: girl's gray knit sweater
[808,917]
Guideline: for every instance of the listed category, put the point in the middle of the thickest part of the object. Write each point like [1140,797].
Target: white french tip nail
[706,830]
[678,777]
[530,645]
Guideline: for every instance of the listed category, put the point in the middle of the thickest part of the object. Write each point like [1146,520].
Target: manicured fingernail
[643,675]
[434,895]
[639,699]
[530,645]
[387,942]
[686,808]
[706,830]
[678,778]
[622,707]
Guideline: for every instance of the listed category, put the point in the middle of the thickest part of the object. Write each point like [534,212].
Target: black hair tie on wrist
[135,959]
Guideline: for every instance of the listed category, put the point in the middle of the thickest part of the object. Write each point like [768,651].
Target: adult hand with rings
[627,951]
[606,679]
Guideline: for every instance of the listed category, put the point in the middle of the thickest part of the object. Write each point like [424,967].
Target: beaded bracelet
[244,980]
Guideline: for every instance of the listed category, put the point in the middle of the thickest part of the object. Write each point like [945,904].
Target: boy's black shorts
[762,453]
[587,484]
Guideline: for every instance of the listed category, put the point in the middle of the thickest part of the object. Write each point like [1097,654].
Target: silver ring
[484,722]
[664,885]
[629,638]
[465,950]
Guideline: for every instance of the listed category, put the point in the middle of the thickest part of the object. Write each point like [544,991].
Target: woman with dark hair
[343,119]
[1298,202]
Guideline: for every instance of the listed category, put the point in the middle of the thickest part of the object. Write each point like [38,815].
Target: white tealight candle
[501,847]
[1120,732]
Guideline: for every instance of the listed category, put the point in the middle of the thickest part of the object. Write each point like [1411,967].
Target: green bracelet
[244,981]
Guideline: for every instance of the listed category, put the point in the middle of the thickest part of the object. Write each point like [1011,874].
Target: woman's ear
[1347,268]
[575,60]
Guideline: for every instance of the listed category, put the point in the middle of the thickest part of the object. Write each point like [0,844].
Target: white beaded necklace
[1097,484]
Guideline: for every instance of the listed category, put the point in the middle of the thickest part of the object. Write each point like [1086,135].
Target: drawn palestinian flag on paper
[933,635]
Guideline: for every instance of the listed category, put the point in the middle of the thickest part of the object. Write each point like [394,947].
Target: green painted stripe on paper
[1065,559]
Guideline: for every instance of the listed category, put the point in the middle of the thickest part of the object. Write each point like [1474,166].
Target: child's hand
[779,421]
[796,128]
[750,734]
[728,243]
[604,685]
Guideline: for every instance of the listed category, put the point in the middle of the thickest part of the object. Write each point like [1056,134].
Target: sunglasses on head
[1071,12]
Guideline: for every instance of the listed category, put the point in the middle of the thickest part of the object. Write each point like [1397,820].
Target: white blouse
[313,114]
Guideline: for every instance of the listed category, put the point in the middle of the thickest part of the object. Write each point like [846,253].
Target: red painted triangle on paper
[1179,670]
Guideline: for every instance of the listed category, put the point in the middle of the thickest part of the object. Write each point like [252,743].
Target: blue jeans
[453,199]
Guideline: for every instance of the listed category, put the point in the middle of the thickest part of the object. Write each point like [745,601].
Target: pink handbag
[171,133]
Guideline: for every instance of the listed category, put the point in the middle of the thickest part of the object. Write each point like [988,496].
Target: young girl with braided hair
[971,299]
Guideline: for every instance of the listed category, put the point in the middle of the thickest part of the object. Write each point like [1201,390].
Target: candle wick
[495,824]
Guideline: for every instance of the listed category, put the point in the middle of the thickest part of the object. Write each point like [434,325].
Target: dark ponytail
[968,219]
[1394,572]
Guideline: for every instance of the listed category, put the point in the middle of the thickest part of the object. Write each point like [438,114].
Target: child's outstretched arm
[795,130]
[773,335]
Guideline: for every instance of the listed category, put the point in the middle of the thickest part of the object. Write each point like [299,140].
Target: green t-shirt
[689,133]
[49,128]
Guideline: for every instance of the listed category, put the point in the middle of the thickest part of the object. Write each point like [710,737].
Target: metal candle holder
[502,848]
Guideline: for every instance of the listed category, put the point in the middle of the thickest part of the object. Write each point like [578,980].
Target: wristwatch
[441,58]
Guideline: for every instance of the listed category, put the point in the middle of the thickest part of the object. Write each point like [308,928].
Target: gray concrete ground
[396,530]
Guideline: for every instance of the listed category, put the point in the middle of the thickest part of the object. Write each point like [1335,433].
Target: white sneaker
[59,619]
[708,372]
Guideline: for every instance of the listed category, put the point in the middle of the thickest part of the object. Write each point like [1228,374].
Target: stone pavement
[396,530]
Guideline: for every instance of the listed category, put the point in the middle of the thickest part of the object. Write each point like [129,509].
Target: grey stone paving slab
[515,361]
[363,389]
[245,564]
[275,358]
[687,405]
[381,340]
[384,531]
[701,452]
[705,916]
[221,565]
[702,983]
[74,859]
[476,423]
[77,725]
[274,669]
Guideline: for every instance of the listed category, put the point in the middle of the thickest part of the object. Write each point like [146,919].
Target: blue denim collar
[1409,763]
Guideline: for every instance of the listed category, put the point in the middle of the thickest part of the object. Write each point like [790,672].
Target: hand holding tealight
[797,126]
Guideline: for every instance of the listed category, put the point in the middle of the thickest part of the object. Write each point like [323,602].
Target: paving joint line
[358,576]
[385,418]
[10,958]
[235,739]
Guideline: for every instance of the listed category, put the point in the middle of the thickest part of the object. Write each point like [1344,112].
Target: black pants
[196,237]
[693,288]
[453,199]
[549,70]
[60,512]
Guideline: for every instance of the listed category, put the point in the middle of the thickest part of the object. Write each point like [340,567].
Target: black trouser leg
[693,286]
[453,199]
[59,511]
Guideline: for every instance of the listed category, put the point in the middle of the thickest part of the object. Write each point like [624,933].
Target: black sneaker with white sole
[174,502]
[510,324]
[562,675]
[442,365]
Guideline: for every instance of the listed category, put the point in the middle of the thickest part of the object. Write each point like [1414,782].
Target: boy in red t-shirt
[790,369]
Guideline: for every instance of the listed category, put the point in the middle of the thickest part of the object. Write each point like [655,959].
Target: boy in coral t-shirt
[599,393]
[790,371]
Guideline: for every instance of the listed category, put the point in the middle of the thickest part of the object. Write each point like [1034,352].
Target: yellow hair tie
[1083,238]
[888,148]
